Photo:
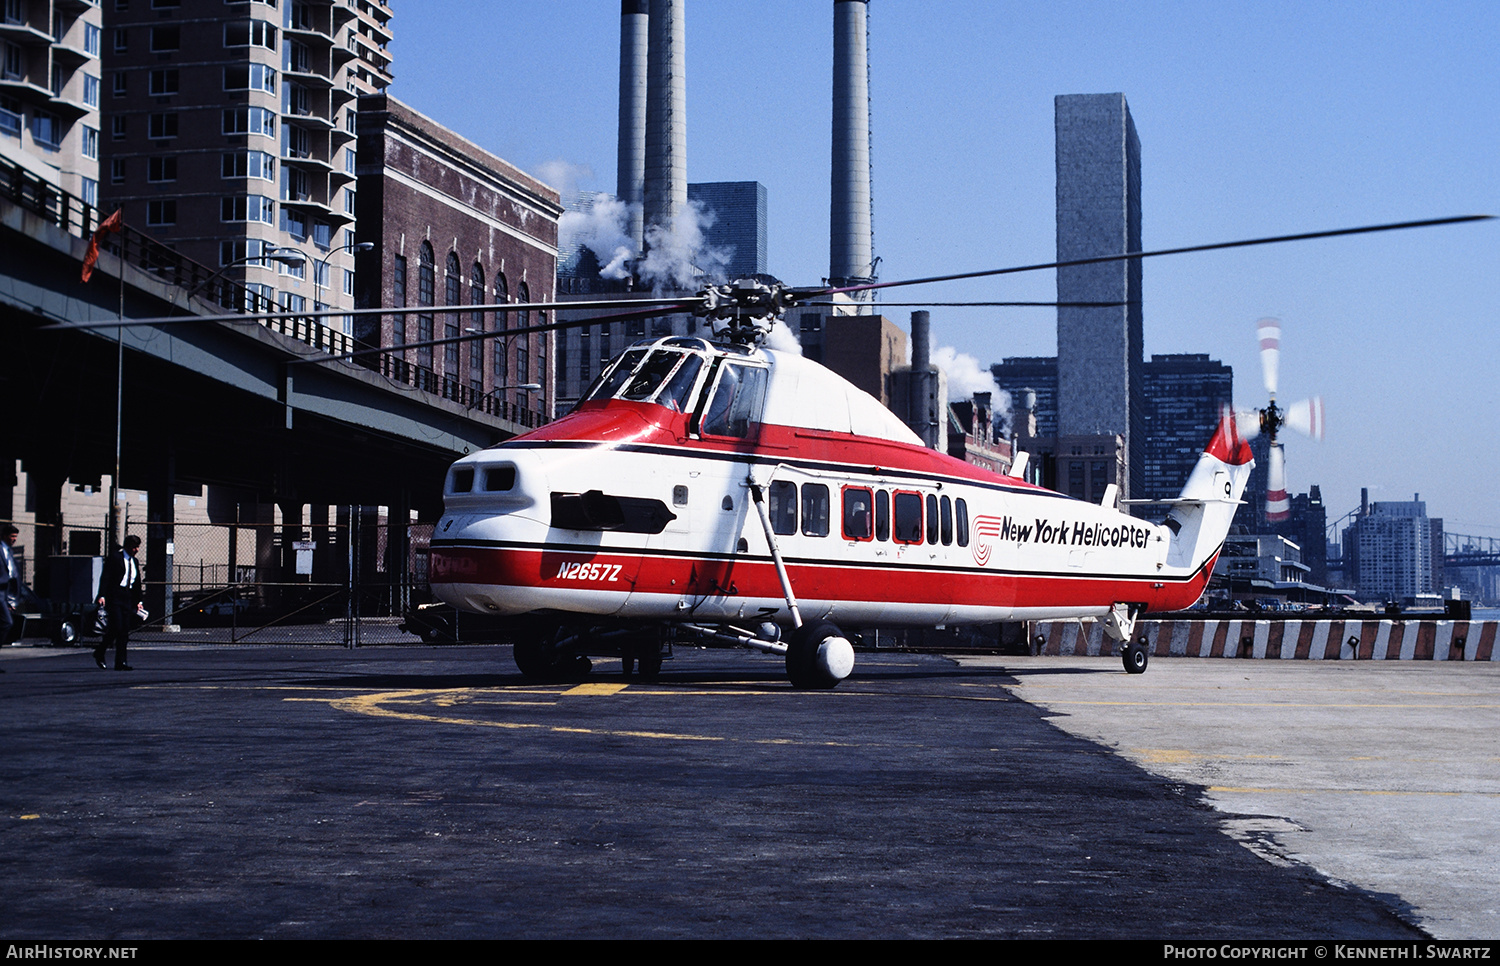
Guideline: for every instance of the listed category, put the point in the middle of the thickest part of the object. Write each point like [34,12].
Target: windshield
[609,384]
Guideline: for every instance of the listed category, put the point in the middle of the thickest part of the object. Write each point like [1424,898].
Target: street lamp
[272,253]
[320,270]
[524,387]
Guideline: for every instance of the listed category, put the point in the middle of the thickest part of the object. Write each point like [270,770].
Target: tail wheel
[818,657]
[1135,658]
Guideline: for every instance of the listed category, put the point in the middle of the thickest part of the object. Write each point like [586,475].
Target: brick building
[452,224]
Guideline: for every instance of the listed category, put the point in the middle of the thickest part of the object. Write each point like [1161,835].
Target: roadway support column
[161,515]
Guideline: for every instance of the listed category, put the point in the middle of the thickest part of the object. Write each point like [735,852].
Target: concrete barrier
[1313,640]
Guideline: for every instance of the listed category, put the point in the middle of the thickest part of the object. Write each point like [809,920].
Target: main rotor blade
[663,306]
[1268,331]
[1278,505]
[1126,256]
[1080,305]
[482,336]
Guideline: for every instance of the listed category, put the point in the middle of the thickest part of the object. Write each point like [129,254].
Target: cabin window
[814,510]
[782,507]
[963,522]
[932,518]
[908,517]
[498,479]
[736,401]
[858,510]
[463,481]
[947,524]
[679,495]
[882,515]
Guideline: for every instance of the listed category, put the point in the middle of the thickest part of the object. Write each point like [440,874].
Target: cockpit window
[649,377]
[678,393]
[736,401]
[608,385]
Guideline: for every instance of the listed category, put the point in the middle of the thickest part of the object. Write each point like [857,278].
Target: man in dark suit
[10,592]
[120,596]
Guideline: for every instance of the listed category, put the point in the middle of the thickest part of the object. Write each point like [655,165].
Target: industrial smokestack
[666,114]
[921,340]
[849,254]
[630,171]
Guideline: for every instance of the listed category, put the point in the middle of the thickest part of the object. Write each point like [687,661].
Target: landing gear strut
[1119,625]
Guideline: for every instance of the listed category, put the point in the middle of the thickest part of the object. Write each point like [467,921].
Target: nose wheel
[818,657]
[1134,657]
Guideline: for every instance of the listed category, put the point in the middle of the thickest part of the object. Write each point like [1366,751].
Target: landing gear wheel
[649,658]
[1134,657]
[535,658]
[818,657]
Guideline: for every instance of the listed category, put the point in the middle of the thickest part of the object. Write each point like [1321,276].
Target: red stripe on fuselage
[684,576]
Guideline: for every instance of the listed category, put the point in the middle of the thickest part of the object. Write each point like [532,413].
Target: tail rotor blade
[1269,333]
[1247,423]
[1306,417]
[1278,505]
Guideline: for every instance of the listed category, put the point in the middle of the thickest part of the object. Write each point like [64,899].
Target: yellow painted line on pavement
[595,688]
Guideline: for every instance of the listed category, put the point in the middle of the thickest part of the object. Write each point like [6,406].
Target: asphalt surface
[408,792]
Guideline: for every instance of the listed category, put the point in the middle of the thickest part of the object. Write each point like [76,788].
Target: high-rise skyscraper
[50,91]
[1099,348]
[1183,395]
[231,133]
[738,225]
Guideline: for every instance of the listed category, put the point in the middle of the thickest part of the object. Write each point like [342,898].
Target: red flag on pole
[113,223]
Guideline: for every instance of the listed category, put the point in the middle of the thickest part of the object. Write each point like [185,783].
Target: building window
[294,223]
[322,233]
[91,39]
[250,77]
[121,39]
[46,129]
[297,59]
[91,143]
[251,33]
[161,168]
[476,322]
[293,184]
[296,142]
[294,269]
[348,281]
[121,82]
[12,62]
[250,120]
[426,294]
[349,200]
[162,126]
[297,100]
[90,90]
[163,212]
[117,171]
[162,82]
[248,208]
[165,4]
[398,298]
[117,127]
[165,39]
[11,117]
[452,295]
[248,164]
[91,192]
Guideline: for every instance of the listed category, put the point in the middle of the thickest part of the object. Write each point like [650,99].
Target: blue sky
[1254,118]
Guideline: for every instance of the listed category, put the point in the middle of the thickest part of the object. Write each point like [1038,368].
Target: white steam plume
[783,339]
[602,230]
[676,254]
[966,377]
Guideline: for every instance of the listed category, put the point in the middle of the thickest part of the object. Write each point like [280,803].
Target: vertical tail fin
[1201,517]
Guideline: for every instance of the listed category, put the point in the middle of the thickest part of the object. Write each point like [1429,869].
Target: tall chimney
[630,171]
[849,254]
[666,114]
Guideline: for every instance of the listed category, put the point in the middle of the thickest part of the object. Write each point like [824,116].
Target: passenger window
[814,510]
[947,528]
[857,512]
[908,518]
[463,481]
[932,519]
[963,523]
[782,507]
[882,515]
[736,402]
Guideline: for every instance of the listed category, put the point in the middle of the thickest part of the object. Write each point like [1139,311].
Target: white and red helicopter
[741,493]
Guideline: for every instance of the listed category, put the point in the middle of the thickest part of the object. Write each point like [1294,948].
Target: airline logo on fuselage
[1045,532]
